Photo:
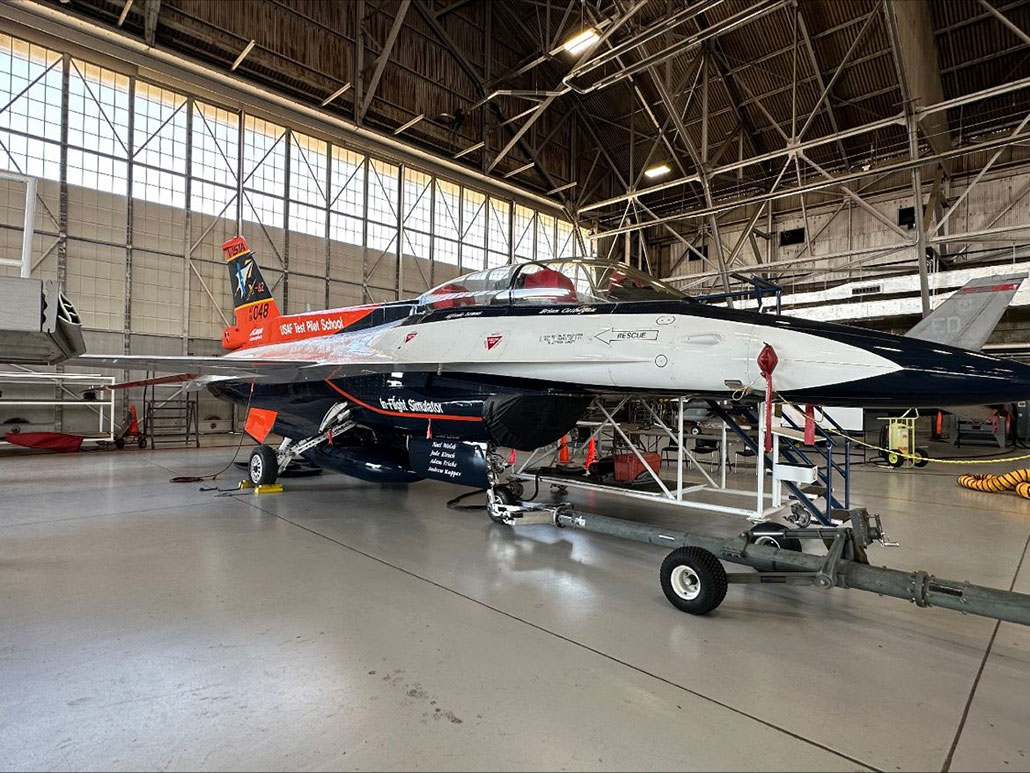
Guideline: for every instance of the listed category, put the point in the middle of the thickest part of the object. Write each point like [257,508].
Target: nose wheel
[264,466]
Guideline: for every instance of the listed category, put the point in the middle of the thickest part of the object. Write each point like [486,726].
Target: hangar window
[264,171]
[159,145]
[159,131]
[446,222]
[473,223]
[418,200]
[524,227]
[216,144]
[545,237]
[381,237]
[382,192]
[498,243]
[264,156]
[567,246]
[98,128]
[346,192]
[30,125]
[417,213]
[308,162]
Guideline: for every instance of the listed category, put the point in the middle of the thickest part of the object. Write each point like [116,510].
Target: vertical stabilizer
[252,299]
[969,316]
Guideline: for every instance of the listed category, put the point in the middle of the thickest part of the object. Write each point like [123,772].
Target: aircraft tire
[506,496]
[693,580]
[263,468]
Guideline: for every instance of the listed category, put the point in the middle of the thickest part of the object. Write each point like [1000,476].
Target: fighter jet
[512,356]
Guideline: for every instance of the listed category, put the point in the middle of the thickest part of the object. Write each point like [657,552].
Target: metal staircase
[173,420]
[833,476]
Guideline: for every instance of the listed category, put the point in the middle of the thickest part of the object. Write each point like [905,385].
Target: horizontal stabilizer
[969,316]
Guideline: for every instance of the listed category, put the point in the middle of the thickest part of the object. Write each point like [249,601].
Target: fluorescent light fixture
[339,92]
[121,17]
[657,171]
[581,42]
[409,124]
[243,54]
[469,149]
[520,169]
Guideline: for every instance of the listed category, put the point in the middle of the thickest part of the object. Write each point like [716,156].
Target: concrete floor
[341,625]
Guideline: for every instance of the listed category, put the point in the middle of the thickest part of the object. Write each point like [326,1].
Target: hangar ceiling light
[657,170]
[579,43]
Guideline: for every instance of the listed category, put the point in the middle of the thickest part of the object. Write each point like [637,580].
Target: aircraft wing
[200,366]
[968,317]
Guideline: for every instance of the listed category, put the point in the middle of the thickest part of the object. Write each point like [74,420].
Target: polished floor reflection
[345,625]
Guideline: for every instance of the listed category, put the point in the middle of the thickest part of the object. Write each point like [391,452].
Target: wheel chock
[267,488]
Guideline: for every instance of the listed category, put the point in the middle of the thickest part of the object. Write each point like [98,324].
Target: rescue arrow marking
[610,334]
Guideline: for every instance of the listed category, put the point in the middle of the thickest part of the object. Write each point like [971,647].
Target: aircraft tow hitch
[694,580]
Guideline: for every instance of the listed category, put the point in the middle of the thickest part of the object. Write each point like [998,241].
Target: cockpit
[548,283]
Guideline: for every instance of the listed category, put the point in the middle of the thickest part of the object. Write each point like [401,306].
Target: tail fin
[251,297]
[968,317]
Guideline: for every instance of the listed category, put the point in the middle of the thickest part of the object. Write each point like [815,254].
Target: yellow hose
[1017,480]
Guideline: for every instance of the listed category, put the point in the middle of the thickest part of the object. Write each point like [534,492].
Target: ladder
[173,420]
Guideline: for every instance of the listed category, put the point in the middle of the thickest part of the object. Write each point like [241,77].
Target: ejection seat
[545,280]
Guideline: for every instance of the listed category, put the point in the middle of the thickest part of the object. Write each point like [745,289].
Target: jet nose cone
[933,375]
[926,375]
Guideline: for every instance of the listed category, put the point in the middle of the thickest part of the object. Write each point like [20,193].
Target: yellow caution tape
[917,457]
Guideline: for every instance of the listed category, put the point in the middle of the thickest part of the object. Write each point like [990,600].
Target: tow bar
[695,581]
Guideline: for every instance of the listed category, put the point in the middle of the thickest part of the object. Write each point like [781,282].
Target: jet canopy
[548,283]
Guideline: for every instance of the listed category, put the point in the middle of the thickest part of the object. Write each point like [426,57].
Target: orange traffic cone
[591,453]
[563,449]
[134,423]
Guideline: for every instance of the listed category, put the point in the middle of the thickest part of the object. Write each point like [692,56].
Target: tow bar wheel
[693,580]
[264,466]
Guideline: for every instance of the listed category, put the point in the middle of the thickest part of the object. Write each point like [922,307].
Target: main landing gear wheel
[504,495]
[264,466]
[693,580]
[769,534]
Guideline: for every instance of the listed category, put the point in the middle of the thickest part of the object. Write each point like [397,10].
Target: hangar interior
[860,160]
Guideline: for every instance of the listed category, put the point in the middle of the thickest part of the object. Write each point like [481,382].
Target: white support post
[760,462]
[725,456]
[679,452]
[28,227]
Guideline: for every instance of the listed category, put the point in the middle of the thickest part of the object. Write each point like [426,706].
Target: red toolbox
[628,467]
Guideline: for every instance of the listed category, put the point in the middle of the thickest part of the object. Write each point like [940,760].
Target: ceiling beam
[151,9]
[911,33]
[384,56]
[479,82]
